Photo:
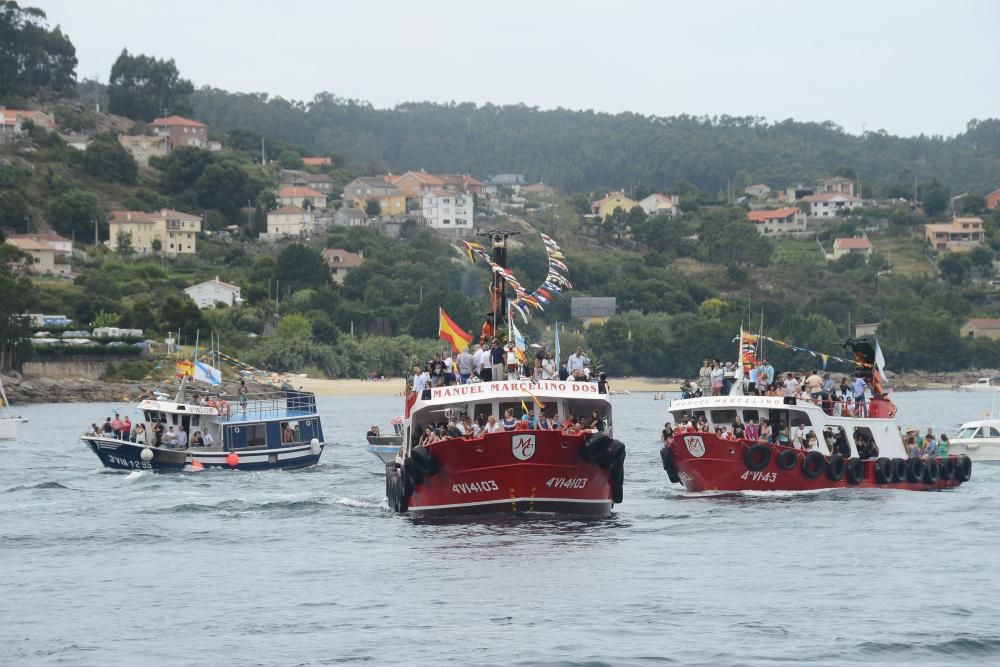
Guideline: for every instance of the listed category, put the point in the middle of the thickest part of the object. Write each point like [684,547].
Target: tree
[982,258]
[142,88]
[300,266]
[74,213]
[181,168]
[971,205]
[108,160]
[226,187]
[156,245]
[935,198]
[123,244]
[294,327]
[290,159]
[955,268]
[32,57]
[373,208]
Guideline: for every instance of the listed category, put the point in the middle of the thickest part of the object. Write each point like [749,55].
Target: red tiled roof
[30,244]
[41,236]
[296,191]
[172,121]
[132,216]
[984,323]
[287,210]
[423,177]
[347,260]
[852,244]
[777,214]
[315,161]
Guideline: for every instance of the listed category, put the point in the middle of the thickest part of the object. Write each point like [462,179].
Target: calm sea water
[308,567]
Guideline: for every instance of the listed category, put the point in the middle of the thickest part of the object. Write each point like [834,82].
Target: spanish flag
[451,332]
[185,368]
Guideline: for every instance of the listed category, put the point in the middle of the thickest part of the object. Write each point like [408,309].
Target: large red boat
[854,449]
[534,468]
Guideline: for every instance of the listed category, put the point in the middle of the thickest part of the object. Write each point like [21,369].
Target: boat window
[750,414]
[723,417]
[967,432]
[516,407]
[799,418]
[864,443]
[290,432]
[256,435]
[987,432]
[484,409]
[582,409]
[195,421]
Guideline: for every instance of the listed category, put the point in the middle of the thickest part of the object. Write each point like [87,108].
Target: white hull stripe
[511,500]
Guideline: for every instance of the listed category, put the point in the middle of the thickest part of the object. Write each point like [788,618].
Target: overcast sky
[909,67]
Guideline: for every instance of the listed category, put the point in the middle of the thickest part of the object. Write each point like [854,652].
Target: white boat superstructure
[979,440]
[8,420]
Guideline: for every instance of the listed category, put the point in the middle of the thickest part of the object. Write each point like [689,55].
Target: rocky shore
[28,389]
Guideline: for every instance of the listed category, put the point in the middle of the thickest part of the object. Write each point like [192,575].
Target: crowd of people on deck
[464,426]
[923,446]
[850,397]
[494,362]
[156,436]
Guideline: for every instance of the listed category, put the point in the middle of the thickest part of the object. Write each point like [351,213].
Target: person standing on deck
[498,372]
[465,365]
[577,361]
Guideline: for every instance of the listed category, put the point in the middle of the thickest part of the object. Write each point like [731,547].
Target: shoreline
[23,390]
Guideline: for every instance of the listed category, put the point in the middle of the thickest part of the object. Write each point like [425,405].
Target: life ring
[883,470]
[836,467]
[932,472]
[898,470]
[813,465]
[223,409]
[757,457]
[914,469]
[963,468]
[787,458]
[667,457]
[855,470]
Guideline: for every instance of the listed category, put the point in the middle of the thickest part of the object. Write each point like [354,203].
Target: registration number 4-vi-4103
[760,476]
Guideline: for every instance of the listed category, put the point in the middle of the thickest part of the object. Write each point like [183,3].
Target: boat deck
[260,414]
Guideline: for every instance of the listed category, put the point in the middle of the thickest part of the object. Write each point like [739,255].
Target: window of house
[446,221]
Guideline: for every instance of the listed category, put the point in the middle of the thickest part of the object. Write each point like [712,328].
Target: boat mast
[498,286]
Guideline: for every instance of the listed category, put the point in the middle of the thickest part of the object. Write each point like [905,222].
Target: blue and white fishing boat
[270,428]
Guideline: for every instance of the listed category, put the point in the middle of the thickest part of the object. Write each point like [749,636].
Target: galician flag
[450,332]
[208,374]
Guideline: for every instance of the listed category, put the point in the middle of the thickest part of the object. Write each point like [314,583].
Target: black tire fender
[932,472]
[914,469]
[855,470]
[898,470]
[413,471]
[835,468]
[425,459]
[963,468]
[757,456]
[787,459]
[667,457]
[595,446]
[883,470]
[947,466]
[813,465]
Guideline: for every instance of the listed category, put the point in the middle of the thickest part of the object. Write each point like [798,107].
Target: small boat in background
[983,384]
[385,447]
[8,420]
[979,440]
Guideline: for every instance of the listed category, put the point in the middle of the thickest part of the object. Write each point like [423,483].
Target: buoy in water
[197,465]
[146,454]
[233,459]
[314,446]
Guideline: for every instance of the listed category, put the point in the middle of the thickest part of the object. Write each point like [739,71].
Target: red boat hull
[511,472]
[705,462]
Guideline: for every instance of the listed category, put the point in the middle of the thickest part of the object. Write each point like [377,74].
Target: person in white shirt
[207,439]
[492,425]
[182,438]
[477,361]
[799,437]
[548,367]
[791,385]
[420,379]
[513,363]
[577,361]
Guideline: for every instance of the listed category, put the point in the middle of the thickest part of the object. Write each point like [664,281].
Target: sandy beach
[394,386]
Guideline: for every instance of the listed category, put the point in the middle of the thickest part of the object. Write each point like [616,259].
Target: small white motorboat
[983,384]
[979,440]
[8,420]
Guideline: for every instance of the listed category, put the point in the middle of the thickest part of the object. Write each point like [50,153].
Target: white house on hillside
[657,204]
[827,204]
[294,195]
[447,210]
[290,221]
[211,292]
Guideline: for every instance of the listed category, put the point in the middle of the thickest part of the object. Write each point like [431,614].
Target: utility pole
[96,241]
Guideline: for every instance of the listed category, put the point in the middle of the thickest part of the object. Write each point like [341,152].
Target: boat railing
[872,408]
[269,405]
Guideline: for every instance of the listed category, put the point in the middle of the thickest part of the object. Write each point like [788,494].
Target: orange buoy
[196,465]
[233,459]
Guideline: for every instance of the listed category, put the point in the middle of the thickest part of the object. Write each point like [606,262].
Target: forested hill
[581,150]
